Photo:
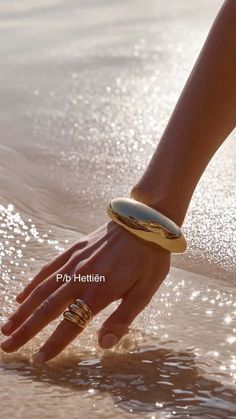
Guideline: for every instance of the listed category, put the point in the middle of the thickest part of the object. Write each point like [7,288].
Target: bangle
[147,223]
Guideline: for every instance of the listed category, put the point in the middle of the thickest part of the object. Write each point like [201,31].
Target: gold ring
[79,313]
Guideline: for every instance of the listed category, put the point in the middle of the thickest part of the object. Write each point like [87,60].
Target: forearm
[202,119]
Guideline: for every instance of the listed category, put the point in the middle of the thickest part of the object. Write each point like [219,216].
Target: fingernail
[39,357]
[7,326]
[7,343]
[109,340]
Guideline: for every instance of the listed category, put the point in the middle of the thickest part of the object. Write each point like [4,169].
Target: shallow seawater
[182,364]
[86,90]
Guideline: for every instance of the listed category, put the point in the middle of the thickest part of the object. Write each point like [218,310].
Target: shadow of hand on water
[146,380]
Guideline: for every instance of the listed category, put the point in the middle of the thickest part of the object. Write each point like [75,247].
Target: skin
[112,252]
[202,119]
[204,116]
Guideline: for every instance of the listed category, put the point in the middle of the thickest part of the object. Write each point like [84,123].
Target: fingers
[37,296]
[44,304]
[49,310]
[117,325]
[65,333]
[49,298]
[48,270]
[82,246]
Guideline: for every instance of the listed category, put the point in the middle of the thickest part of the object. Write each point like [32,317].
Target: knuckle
[73,260]
[40,290]
[74,248]
[44,308]
[78,245]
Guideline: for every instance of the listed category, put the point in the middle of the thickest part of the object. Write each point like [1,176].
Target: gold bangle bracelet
[147,223]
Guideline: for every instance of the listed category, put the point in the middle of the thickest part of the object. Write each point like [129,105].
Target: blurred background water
[87,88]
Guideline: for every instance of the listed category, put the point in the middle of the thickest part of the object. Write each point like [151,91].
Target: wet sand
[87,88]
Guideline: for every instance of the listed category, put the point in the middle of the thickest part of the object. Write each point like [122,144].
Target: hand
[133,271]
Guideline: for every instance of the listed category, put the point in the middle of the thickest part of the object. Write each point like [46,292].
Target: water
[86,90]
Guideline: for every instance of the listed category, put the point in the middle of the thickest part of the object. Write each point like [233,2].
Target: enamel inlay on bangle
[147,223]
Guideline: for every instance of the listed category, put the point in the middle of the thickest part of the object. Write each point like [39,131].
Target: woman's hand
[133,271]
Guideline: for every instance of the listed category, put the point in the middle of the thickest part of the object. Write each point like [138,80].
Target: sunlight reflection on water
[184,359]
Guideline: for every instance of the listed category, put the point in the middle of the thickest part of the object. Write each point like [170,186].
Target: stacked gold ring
[79,313]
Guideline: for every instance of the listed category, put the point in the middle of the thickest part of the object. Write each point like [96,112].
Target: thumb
[117,325]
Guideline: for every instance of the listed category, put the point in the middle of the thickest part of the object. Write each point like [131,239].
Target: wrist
[167,204]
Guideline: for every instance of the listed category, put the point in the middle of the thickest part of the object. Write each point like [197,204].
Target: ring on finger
[79,313]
